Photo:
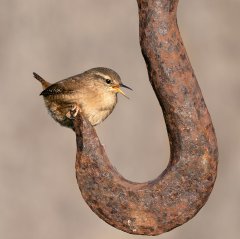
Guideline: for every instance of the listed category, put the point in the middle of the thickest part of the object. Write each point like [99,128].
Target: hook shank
[173,198]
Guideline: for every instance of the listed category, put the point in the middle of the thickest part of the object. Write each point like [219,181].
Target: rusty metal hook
[173,198]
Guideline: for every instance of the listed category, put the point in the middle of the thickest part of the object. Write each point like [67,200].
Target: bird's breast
[97,108]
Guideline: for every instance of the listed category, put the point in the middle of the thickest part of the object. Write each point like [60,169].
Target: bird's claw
[72,113]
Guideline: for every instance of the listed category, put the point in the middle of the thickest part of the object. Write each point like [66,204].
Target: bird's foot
[72,113]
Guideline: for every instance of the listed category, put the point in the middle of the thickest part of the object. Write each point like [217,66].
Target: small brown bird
[92,93]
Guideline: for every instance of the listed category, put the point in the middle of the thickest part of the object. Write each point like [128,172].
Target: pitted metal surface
[183,188]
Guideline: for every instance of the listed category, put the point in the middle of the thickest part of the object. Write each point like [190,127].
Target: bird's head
[108,80]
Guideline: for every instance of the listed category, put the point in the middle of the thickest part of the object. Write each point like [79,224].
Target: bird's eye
[108,81]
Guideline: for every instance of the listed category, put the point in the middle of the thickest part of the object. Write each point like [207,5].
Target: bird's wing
[54,89]
[66,86]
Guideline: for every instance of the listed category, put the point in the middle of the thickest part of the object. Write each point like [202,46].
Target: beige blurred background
[39,196]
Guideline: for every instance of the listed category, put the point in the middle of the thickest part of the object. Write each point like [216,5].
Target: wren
[92,93]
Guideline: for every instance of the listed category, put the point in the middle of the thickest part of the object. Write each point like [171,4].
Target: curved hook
[173,198]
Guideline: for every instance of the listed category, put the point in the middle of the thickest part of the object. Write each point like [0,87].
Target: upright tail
[44,83]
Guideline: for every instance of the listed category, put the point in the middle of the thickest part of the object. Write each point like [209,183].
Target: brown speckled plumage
[94,92]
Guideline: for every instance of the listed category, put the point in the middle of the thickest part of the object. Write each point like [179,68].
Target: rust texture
[183,188]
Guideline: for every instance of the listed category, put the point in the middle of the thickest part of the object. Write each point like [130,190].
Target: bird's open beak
[122,85]
[118,89]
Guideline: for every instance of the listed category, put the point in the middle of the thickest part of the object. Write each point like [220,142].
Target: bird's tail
[44,83]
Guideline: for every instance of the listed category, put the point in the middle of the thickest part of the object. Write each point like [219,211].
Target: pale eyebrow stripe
[103,75]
